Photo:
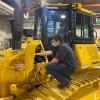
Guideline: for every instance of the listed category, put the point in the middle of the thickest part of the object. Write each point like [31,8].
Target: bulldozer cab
[73,23]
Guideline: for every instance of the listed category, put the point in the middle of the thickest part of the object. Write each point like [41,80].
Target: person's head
[56,40]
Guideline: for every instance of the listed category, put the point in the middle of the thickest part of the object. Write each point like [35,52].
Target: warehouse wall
[5,33]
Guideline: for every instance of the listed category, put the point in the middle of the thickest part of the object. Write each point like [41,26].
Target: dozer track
[80,80]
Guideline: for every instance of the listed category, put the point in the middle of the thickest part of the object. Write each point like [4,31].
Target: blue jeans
[60,72]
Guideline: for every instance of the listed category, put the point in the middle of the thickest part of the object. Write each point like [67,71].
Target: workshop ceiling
[70,1]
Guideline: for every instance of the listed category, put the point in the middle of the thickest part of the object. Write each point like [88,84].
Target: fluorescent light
[63,16]
[52,11]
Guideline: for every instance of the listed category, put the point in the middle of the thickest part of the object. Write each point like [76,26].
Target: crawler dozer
[22,73]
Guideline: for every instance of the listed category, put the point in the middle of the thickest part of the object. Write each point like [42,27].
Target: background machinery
[22,74]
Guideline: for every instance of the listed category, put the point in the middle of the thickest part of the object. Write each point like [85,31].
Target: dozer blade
[82,79]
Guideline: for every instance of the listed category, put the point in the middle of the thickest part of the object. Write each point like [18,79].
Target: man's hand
[55,60]
[44,53]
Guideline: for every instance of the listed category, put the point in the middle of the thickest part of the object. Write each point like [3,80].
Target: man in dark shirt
[64,61]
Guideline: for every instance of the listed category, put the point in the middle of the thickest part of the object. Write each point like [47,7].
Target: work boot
[60,86]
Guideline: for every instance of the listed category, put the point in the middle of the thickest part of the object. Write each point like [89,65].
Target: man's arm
[44,53]
[60,56]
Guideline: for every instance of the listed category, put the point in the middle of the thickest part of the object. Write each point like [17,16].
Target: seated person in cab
[63,63]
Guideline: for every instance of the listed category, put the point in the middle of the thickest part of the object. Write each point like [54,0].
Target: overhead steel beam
[92,5]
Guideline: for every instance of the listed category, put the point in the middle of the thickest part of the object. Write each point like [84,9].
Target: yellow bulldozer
[22,73]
